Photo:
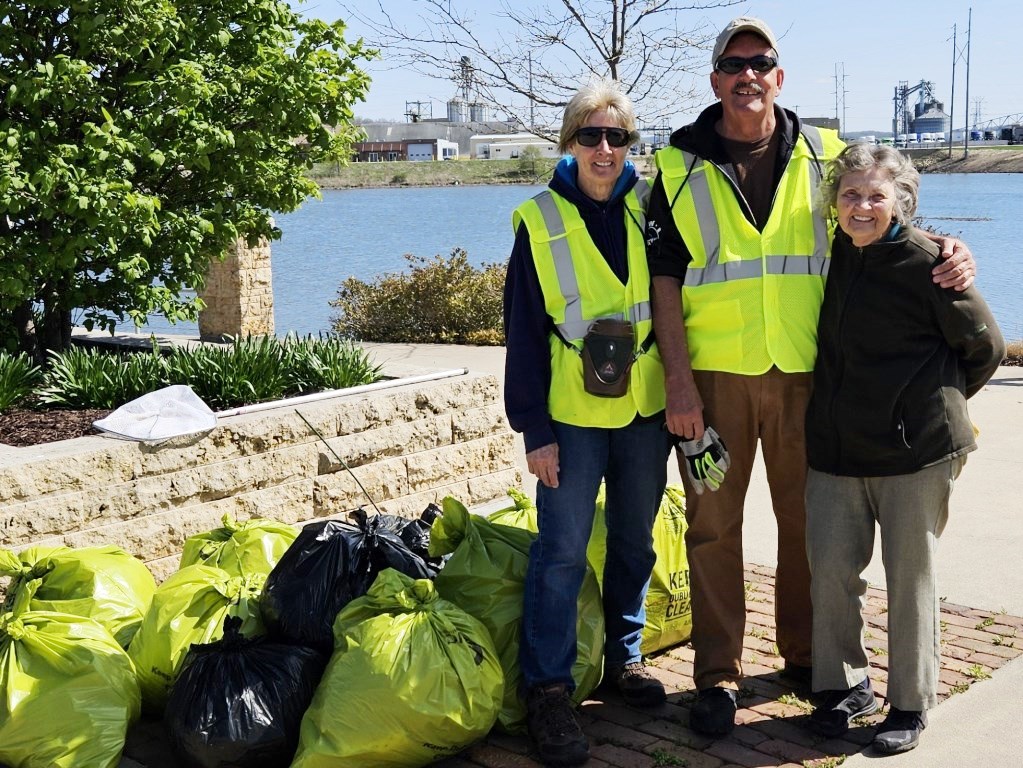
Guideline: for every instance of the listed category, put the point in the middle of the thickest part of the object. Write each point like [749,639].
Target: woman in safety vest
[585,387]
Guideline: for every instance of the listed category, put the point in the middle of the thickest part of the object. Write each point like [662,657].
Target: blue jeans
[632,461]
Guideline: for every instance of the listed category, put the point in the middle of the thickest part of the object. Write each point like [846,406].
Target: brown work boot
[550,719]
[636,685]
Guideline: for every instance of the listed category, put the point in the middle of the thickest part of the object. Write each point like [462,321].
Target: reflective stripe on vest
[751,295]
[777,264]
[574,326]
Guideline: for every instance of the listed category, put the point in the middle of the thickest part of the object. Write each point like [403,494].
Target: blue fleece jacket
[527,326]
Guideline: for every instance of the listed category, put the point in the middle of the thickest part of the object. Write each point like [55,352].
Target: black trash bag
[415,533]
[239,702]
[330,564]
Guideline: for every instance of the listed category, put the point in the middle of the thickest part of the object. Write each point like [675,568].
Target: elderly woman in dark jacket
[887,433]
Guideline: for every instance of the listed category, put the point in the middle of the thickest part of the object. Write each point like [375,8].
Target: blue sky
[876,44]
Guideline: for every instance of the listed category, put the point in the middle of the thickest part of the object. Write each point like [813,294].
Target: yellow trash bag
[413,679]
[669,619]
[521,514]
[190,608]
[485,576]
[67,691]
[102,583]
[249,547]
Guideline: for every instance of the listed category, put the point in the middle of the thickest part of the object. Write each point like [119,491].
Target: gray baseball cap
[738,26]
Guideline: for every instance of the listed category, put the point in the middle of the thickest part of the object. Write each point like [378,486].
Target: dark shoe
[837,709]
[713,714]
[799,676]
[900,731]
[636,685]
[550,719]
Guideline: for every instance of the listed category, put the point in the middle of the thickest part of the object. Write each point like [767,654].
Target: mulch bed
[22,427]
[771,728]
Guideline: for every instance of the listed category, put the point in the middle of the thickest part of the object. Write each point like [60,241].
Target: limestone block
[59,467]
[486,488]
[227,478]
[461,460]
[339,492]
[162,534]
[395,440]
[479,422]
[56,514]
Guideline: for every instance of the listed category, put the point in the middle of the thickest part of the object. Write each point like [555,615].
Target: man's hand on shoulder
[958,269]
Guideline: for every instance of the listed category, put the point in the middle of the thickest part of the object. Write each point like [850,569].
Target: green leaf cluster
[139,138]
[18,377]
[245,371]
[439,300]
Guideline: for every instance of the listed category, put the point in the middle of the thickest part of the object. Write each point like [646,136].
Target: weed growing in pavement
[959,688]
[825,762]
[664,758]
[795,701]
[977,672]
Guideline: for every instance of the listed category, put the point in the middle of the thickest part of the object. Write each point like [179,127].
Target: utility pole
[952,101]
[840,97]
[969,27]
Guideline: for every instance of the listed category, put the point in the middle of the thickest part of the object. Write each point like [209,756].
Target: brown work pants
[771,408]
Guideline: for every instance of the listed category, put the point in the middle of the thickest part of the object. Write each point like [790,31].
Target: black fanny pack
[607,357]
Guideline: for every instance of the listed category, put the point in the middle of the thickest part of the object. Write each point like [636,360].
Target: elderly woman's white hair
[863,157]
[592,97]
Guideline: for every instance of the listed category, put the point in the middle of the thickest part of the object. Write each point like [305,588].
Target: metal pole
[952,102]
[966,137]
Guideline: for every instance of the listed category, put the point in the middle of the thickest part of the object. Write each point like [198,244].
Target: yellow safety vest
[751,299]
[579,287]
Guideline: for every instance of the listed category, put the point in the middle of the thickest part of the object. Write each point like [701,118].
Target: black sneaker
[838,708]
[900,731]
[636,685]
[550,719]
[713,714]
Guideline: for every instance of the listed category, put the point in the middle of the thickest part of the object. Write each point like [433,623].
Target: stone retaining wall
[408,445]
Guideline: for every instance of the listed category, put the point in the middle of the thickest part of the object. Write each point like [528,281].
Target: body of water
[366,232]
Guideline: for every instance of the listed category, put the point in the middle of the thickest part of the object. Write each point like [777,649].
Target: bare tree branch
[526,61]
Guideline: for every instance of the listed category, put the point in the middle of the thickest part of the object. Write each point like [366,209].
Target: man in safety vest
[739,253]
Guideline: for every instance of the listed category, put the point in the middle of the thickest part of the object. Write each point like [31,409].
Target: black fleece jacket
[897,358]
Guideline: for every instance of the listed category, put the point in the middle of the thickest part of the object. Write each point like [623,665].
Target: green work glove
[706,460]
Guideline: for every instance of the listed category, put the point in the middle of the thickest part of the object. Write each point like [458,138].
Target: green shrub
[249,370]
[93,378]
[18,377]
[327,362]
[444,301]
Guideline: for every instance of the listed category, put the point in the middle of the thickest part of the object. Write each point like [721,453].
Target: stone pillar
[238,294]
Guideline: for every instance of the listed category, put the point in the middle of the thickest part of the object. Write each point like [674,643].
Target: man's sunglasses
[733,65]
[590,137]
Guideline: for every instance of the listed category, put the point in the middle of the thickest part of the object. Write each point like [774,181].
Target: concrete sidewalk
[980,561]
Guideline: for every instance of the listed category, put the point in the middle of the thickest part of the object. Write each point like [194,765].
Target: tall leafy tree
[139,138]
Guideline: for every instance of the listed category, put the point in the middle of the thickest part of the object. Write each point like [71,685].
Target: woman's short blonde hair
[863,157]
[596,95]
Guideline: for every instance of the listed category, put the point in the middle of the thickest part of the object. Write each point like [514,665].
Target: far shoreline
[397,174]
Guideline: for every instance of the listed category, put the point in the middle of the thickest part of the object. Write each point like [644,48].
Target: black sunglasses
[590,137]
[733,65]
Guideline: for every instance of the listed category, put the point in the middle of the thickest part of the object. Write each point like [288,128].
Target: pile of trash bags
[376,640]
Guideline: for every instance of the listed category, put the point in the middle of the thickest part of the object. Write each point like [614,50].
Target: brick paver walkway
[771,730]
